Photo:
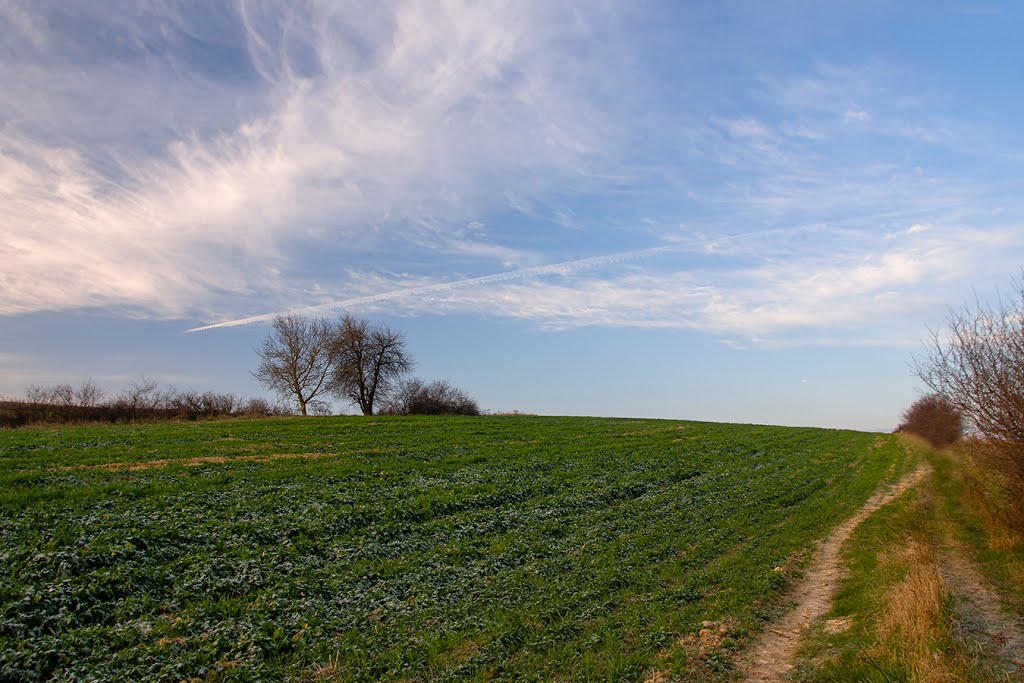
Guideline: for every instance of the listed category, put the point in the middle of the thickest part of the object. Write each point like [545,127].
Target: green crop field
[499,548]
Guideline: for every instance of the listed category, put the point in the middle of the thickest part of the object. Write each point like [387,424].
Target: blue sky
[724,211]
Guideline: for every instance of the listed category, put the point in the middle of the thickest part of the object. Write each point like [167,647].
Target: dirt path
[772,656]
[994,637]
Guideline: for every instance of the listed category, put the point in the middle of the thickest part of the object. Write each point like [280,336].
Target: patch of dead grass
[912,625]
[331,670]
[656,676]
[840,625]
[208,460]
[461,653]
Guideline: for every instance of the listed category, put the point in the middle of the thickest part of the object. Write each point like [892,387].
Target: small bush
[934,419]
[415,397]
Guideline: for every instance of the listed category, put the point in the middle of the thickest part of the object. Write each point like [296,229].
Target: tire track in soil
[982,624]
[773,654]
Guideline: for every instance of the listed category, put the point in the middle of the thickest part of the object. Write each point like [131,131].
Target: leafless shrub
[62,395]
[54,402]
[256,407]
[934,419]
[140,400]
[976,363]
[35,393]
[88,395]
[214,404]
[192,405]
[261,407]
[144,399]
[321,408]
[415,397]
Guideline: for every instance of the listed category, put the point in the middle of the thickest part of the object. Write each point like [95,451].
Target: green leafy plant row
[500,548]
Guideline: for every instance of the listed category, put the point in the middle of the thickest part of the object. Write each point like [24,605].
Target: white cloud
[326,150]
[856,116]
[419,290]
[19,17]
[425,114]
[746,127]
[751,304]
[799,130]
[863,295]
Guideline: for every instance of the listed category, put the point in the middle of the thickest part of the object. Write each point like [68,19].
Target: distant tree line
[144,399]
[306,360]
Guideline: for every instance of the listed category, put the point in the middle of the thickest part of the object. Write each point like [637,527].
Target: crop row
[475,553]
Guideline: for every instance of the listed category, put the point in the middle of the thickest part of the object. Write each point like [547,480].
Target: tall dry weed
[912,618]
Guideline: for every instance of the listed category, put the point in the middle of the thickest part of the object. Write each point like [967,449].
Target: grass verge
[900,614]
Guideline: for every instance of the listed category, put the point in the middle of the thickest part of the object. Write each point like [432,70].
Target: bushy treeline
[142,400]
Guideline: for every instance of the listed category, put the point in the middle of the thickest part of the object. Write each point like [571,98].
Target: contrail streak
[564,268]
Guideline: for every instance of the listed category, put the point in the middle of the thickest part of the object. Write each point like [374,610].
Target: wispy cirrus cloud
[422,292]
[766,288]
[174,160]
[406,118]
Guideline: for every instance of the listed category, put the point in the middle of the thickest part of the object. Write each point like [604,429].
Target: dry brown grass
[461,652]
[922,610]
[331,670]
[912,618]
[211,460]
[656,676]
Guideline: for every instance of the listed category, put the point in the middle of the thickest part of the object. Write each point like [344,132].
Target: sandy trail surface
[773,655]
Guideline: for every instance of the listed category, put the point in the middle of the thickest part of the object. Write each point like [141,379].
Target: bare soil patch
[772,655]
[195,461]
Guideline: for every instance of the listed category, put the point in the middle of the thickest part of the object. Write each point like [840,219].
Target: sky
[731,211]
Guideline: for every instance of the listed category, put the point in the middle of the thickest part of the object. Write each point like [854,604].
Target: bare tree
[371,359]
[297,358]
[976,362]
[62,395]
